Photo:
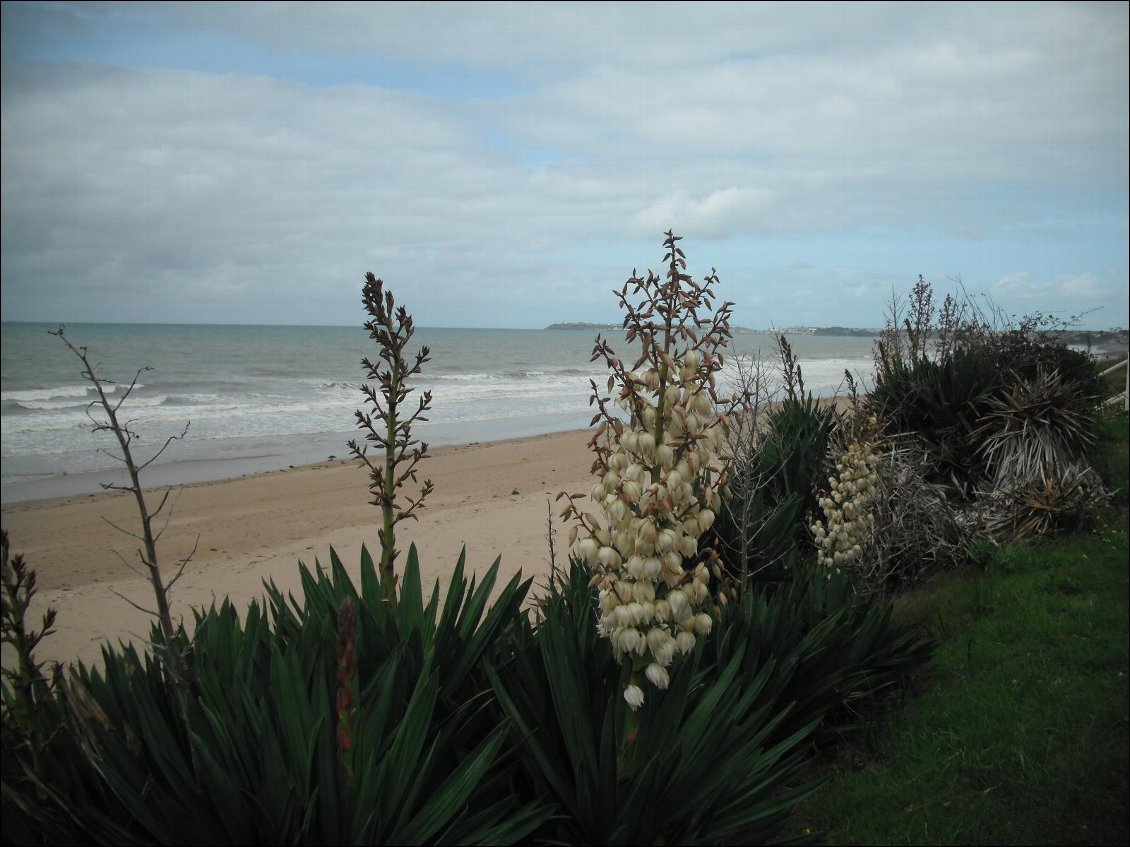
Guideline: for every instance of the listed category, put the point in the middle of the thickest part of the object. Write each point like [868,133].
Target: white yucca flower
[658,676]
[634,695]
[657,480]
[840,536]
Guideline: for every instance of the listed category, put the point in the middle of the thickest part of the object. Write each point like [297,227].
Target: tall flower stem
[657,482]
[391,327]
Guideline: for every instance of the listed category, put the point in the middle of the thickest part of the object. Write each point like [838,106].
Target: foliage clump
[776,456]
[1003,413]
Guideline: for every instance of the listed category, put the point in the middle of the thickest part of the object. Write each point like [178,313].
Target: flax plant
[391,327]
[658,481]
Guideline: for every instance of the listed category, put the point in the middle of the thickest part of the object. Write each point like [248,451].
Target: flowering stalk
[848,518]
[24,687]
[346,685]
[391,328]
[658,486]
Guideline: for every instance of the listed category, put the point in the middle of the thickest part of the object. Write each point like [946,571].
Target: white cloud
[241,194]
[719,214]
[1083,286]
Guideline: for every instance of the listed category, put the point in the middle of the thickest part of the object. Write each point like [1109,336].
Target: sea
[259,398]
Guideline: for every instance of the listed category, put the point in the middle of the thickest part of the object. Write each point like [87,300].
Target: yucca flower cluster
[841,536]
[658,486]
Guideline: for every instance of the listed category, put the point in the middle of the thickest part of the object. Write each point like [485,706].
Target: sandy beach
[489,497]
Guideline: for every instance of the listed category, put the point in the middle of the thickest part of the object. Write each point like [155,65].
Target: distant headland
[584,326]
[790,330]
[1112,340]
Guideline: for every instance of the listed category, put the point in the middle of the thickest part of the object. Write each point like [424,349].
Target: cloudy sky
[508,165]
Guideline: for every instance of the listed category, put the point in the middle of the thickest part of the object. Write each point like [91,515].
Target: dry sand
[489,497]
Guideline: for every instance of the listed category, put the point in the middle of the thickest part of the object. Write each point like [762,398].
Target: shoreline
[214,460]
[491,498]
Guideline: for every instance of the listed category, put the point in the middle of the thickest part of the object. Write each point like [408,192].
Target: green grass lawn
[1019,732]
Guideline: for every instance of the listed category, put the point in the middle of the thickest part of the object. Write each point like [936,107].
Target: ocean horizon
[266,397]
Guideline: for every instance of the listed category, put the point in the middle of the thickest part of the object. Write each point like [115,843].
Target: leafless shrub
[151,533]
[753,385]
[916,532]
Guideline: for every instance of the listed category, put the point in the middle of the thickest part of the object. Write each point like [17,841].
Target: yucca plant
[1067,499]
[397,452]
[717,759]
[940,403]
[1035,427]
[347,716]
[794,452]
[757,533]
[701,766]
[1035,438]
[659,484]
[341,720]
[30,717]
[840,657]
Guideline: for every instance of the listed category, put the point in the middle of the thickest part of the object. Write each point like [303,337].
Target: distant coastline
[1110,340]
[581,325]
[840,331]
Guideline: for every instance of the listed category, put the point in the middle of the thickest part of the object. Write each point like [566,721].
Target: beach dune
[489,497]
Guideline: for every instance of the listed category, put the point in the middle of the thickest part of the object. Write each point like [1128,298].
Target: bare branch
[120,529]
[125,562]
[140,608]
[169,514]
[164,447]
[183,563]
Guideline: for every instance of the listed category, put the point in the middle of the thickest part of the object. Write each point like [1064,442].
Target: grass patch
[1020,733]
[1111,455]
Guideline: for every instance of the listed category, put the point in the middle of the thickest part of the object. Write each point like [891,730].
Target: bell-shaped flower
[608,557]
[587,548]
[658,675]
[643,592]
[629,639]
[678,603]
[633,694]
[703,623]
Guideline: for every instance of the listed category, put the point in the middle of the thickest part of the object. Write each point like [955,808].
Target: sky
[509,165]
